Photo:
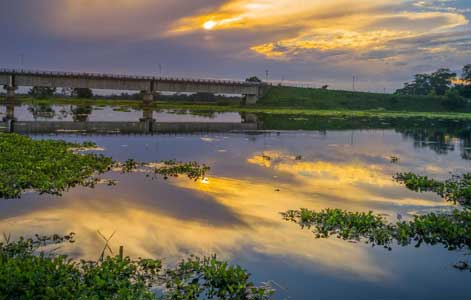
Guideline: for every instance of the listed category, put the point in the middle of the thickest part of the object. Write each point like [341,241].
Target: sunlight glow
[209,25]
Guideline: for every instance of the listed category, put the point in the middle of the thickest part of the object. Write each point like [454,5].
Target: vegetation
[54,166]
[27,272]
[323,99]
[453,231]
[254,79]
[41,92]
[46,166]
[457,189]
[82,93]
[443,82]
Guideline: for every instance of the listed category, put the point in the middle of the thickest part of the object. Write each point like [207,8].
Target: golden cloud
[322,25]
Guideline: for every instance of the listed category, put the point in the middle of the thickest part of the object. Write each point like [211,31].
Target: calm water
[235,214]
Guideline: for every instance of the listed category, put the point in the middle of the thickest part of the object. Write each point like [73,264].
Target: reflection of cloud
[228,216]
[150,232]
[355,182]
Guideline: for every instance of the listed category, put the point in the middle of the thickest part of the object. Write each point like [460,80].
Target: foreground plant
[54,166]
[457,189]
[453,230]
[27,273]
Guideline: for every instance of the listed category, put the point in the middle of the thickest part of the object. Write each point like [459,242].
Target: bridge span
[11,79]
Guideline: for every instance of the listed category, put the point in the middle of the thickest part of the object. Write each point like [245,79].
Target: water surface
[254,177]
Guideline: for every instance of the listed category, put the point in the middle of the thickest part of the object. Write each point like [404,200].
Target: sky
[313,42]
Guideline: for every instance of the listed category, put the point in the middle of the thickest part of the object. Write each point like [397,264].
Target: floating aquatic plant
[452,230]
[457,189]
[54,166]
[46,166]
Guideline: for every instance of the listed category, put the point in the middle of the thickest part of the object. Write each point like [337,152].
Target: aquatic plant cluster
[451,230]
[169,168]
[457,189]
[46,166]
[54,166]
[28,273]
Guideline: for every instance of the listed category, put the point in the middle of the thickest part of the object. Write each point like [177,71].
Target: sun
[209,25]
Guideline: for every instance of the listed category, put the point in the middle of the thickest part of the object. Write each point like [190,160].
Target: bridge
[11,79]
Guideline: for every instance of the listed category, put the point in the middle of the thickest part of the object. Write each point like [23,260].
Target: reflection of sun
[209,25]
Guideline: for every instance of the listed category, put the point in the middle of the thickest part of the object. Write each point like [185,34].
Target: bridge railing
[6,71]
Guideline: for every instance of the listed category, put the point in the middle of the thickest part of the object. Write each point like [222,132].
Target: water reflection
[254,177]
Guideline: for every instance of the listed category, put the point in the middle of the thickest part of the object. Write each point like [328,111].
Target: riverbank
[299,101]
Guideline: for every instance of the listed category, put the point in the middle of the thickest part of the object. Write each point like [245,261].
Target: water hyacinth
[452,230]
[457,189]
[54,166]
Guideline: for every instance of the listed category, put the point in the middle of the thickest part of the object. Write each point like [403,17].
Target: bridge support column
[250,99]
[10,113]
[148,98]
[11,95]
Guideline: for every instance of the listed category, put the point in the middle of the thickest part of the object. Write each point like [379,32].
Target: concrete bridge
[11,79]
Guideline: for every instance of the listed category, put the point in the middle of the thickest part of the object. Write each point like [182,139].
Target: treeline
[40,92]
[443,82]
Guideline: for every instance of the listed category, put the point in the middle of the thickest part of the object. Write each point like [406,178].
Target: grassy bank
[300,101]
[346,100]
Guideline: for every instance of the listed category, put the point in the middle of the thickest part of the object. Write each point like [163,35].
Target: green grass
[345,100]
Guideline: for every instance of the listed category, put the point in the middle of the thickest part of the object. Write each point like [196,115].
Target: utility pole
[22,59]
[160,70]
[266,74]
[353,84]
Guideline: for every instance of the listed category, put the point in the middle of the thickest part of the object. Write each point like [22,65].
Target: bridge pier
[10,111]
[250,99]
[11,94]
[148,98]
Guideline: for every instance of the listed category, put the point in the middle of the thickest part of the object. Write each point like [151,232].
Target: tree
[467,74]
[437,83]
[40,92]
[82,93]
[254,79]
[442,80]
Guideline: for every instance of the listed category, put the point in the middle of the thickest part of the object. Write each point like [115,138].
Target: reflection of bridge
[11,79]
[146,125]
[141,127]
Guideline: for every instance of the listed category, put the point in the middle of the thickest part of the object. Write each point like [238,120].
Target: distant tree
[467,74]
[421,85]
[82,93]
[325,87]
[40,92]
[437,83]
[442,80]
[253,79]
[67,91]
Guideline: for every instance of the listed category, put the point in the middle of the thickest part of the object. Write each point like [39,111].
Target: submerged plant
[453,230]
[26,272]
[457,189]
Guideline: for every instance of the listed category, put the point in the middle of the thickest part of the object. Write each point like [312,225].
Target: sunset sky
[382,42]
